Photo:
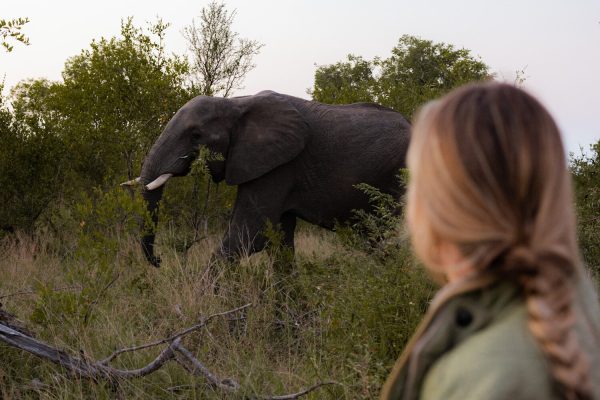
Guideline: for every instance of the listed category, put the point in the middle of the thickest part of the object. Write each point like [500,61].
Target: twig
[293,396]
[93,303]
[31,291]
[184,332]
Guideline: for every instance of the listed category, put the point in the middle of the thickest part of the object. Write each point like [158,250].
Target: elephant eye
[196,132]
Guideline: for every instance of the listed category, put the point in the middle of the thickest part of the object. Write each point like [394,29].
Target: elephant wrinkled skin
[291,158]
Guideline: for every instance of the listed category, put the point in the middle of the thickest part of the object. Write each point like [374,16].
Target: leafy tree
[420,70]
[220,58]
[12,29]
[346,82]
[417,71]
[115,99]
[31,166]
[586,175]
[64,138]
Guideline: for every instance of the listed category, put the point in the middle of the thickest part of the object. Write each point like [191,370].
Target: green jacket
[475,344]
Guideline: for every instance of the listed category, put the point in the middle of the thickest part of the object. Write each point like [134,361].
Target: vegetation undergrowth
[334,312]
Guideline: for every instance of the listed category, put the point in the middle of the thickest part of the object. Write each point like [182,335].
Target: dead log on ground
[102,370]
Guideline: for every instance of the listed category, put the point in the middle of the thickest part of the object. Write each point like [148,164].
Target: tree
[586,176]
[116,98]
[417,71]
[12,29]
[220,59]
[31,156]
[420,70]
[352,81]
[62,139]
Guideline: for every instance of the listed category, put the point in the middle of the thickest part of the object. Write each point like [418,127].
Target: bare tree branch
[100,370]
[178,335]
[200,370]
[220,59]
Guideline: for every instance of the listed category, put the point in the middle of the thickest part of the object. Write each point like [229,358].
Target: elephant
[289,157]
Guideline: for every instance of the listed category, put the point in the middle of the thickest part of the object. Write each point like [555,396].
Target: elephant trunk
[152,198]
[150,172]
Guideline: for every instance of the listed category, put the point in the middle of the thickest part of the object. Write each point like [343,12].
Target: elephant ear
[271,132]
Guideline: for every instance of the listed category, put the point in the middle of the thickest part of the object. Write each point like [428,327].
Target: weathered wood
[171,338]
[101,370]
[74,365]
[199,369]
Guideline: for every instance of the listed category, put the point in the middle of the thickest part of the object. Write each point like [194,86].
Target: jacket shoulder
[501,361]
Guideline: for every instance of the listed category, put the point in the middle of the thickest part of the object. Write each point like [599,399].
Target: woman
[490,211]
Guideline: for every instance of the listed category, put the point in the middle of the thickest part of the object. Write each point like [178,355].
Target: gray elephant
[290,158]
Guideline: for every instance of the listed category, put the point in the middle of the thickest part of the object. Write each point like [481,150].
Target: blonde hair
[489,175]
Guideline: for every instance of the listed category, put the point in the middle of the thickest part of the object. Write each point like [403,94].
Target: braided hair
[489,174]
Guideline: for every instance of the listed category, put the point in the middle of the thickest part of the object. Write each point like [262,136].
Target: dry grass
[295,334]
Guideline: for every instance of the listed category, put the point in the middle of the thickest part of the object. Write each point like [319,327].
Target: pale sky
[556,41]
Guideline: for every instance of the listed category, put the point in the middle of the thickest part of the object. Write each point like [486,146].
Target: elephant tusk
[158,182]
[132,182]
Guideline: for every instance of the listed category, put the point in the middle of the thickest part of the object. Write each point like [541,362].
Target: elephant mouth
[180,167]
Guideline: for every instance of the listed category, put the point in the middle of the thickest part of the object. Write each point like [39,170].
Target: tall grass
[337,313]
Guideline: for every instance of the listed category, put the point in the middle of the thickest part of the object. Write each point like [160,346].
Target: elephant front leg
[242,239]
[245,233]
[257,204]
[246,236]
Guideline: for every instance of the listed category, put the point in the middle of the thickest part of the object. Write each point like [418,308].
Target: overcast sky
[556,41]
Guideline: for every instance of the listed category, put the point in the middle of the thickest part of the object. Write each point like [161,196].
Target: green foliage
[369,308]
[31,157]
[116,98]
[345,82]
[12,29]
[106,218]
[376,230]
[57,307]
[420,70]
[379,224]
[417,71]
[586,175]
[283,255]
[93,129]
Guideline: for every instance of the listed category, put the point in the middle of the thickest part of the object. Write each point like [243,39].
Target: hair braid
[547,284]
[489,175]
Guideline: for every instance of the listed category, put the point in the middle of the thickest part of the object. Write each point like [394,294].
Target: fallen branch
[199,369]
[175,351]
[178,335]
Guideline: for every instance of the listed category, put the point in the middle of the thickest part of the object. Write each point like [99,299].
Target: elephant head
[253,134]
